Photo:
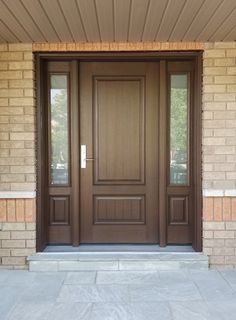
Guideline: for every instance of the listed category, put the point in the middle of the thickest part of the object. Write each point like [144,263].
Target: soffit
[117,20]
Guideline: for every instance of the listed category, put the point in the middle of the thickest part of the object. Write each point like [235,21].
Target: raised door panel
[119,130]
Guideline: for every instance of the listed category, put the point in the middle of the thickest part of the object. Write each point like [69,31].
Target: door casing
[75,58]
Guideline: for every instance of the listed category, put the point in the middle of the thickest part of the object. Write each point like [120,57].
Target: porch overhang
[134,21]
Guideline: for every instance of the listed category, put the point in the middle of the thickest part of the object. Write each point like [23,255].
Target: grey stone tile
[223,310]
[47,291]
[4,275]
[230,277]
[109,311]
[20,278]
[127,277]
[149,311]
[43,266]
[29,311]
[212,286]
[87,265]
[80,277]
[143,265]
[196,310]
[173,277]
[70,311]
[149,293]
[132,311]
[9,295]
[93,293]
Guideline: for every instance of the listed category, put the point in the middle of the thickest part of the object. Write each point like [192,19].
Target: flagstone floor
[118,295]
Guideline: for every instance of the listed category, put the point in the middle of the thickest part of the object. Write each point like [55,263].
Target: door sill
[136,248]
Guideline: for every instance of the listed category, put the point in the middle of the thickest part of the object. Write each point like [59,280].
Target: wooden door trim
[41,58]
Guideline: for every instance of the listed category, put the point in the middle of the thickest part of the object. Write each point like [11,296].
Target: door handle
[83,157]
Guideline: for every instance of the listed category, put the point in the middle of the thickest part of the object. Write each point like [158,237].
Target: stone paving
[118,295]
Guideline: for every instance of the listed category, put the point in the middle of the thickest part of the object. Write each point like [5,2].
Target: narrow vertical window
[59,130]
[179,129]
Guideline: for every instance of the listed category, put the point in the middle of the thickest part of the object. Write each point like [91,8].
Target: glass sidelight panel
[59,129]
[179,130]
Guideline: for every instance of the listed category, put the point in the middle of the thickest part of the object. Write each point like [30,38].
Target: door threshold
[136,248]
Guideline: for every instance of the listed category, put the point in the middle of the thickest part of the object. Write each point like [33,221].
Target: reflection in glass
[179,129]
[59,129]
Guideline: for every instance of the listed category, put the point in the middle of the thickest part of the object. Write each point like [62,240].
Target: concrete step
[84,261]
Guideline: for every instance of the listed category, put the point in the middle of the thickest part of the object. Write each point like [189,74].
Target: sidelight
[179,130]
[59,129]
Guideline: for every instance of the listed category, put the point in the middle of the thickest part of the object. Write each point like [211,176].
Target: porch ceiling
[117,20]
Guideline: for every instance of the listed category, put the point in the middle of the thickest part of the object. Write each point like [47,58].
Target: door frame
[42,57]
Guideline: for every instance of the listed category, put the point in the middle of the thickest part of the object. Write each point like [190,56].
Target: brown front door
[120,152]
[119,129]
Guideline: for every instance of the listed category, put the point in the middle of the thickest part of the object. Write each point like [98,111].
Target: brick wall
[219,153]
[17,146]
[17,154]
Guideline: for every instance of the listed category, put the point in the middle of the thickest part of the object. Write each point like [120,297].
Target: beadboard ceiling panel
[117,20]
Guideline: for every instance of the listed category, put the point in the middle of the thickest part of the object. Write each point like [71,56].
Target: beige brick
[214,226]
[13,243]
[26,235]
[4,235]
[224,62]
[30,243]
[11,161]
[225,79]
[224,149]
[3,66]
[22,252]
[23,65]
[3,103]
[223,251]
[22,136]
[230,123]
[217,260]
[4,253]
[22,169]
[231,53]
[12,144]
[213,88]
[13,226]
[214,141]
[231,88]
[28,56]
[215,71]
[22,152]
[232,70]
[26,186]
[231,141]
[22,119]
[4,136]
[214,243]
[224,166]
[223,234]
[217,53]
[3,84]
[21,84]
[14,102]
[3,47]
[31,226]
[11,56]
[224,132]
[231,105]
[11,75]
[208,234]
[208,251]
[28,74]
[230,259]
[20,47]
[12,178]
[218,124]
[223,184]
[223,115]
[231,225]
[11,111]
[224,97]
[230,243]
[11,93]
[13,260]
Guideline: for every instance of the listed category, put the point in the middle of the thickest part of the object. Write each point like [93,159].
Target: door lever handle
[83,158]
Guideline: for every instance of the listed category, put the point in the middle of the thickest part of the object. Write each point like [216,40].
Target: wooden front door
[119,129]
[119,151]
